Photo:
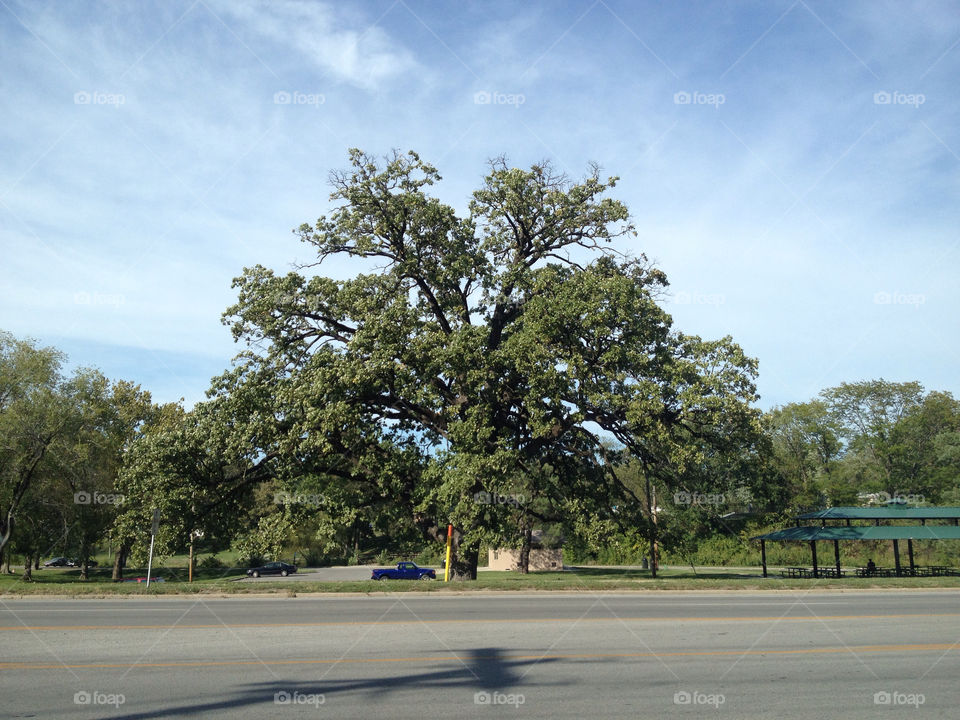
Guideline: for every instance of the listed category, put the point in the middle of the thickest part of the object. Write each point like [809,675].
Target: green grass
[586,579]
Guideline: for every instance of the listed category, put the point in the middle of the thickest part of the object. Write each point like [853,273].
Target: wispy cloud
[361,53]
[816,185]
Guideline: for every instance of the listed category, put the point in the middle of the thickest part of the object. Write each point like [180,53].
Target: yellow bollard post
[446,565]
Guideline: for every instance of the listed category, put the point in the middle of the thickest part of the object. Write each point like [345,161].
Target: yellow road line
[926,647]
[464,621]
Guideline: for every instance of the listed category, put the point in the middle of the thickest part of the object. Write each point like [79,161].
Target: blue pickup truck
[404,571]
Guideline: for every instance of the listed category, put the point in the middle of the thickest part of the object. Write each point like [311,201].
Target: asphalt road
[764,655]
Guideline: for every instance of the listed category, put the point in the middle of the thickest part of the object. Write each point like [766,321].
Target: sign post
[153,535]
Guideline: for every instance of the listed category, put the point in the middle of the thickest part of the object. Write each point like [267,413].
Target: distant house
[541,558]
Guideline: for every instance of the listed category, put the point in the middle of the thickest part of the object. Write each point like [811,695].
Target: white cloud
[365,57]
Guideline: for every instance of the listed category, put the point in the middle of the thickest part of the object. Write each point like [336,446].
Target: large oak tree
[503,352]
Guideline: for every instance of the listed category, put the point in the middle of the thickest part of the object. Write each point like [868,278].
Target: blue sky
[793,167]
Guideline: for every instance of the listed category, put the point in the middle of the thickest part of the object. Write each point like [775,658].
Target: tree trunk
[464,566]
[463,560]
[524,565]
[27,569]
[120,559]
[84,559]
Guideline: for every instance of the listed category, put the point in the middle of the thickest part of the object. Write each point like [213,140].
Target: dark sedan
[59,562]
[272,568]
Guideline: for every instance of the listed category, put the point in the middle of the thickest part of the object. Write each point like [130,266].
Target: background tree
[924,448]
[866,413]
[806,446]
[196,468]
[32,418]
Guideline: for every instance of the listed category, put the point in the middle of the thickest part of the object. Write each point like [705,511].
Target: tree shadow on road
[479,672]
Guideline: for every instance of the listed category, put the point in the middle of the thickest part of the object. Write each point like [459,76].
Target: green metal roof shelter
[876,531]
[893,511]
[914,532]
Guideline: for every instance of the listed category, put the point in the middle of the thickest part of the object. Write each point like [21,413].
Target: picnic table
[876,572]
[792,572]
[805,572]
[917,571]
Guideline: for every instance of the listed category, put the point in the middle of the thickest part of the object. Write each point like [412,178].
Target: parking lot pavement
[336,573]
[340,573]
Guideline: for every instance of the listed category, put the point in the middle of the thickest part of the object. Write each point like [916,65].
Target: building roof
[867,532]
[887,512]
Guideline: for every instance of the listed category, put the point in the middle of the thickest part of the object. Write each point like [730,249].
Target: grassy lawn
[224,581]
